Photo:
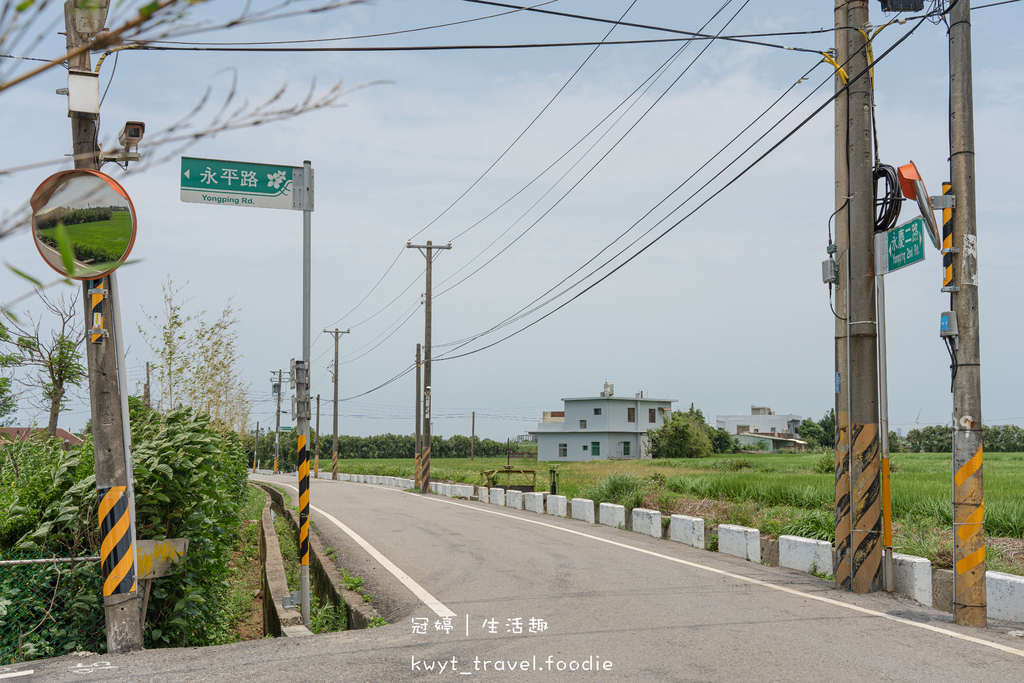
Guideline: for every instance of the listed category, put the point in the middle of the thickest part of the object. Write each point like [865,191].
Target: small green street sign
[900,247]
[238,183]
[286,429]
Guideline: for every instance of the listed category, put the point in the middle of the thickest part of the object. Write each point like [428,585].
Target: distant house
[772,444]
[762,420]
[600,427]
[29,433]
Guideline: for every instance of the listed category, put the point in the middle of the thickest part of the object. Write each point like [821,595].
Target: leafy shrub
[622,489]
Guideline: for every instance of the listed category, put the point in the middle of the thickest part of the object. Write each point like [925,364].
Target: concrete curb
[912,576]
[740,541]
[583,509]
[557,506]
[1005,596]
[687,530]
[611,514]
[276,618]
[497,496]
[647,522]
[803,554]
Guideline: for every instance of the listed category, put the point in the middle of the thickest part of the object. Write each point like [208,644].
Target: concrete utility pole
[428,252]
[472,438]
[113,477]
[145,393]
[334,448]
[277,422]
[256,446]
[970,602]
[858,481]
[316,442]
[419,392]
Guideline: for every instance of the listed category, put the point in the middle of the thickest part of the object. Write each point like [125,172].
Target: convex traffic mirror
[83,223]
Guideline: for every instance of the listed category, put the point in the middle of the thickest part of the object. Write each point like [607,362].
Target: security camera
[131,135]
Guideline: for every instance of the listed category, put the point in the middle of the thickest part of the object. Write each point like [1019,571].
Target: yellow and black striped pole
[117,557]
[303,502]
[96,295]
[947,241]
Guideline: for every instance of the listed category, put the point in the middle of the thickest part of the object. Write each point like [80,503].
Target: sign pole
[307,210]
[883,421]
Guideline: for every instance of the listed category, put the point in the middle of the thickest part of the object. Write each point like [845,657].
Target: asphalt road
[474,591]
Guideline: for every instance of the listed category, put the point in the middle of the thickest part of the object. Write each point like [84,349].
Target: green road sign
[900,247]
[286,429]
[237,183]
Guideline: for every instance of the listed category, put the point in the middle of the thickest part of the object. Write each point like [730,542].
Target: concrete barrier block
[686,529]
[740,541]
[583,509]
[647,522]
[1005,596]
[912,576]
[556,505]
[497,496]
[514,499]
[803,554]
[611,514]
[533,502]
[446,490]
[483,493]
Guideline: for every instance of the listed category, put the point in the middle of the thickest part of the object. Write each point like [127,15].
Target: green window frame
[595,448]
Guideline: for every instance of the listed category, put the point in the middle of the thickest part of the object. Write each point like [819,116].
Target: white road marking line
[16,674]
[419,591]
[747,579]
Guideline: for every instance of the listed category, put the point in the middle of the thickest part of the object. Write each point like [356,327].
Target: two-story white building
[600,427]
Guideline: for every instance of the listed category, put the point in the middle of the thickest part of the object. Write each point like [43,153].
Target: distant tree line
[77,216]
[379,447]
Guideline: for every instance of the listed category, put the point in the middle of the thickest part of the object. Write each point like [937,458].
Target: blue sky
[726,311]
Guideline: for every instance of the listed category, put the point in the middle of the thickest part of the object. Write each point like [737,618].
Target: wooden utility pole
[970,601]
[428,252]
[113,485]
[334,447]
[419,416]
[472,438]
[256,446]
[857,474]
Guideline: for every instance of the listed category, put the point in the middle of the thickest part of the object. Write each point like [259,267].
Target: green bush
[622,489]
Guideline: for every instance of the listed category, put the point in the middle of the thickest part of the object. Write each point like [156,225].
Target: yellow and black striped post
[96,295]
[303,502]
[117,557]
[947,241]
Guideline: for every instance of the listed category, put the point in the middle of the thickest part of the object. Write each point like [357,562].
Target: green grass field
[777,493]
[111,236]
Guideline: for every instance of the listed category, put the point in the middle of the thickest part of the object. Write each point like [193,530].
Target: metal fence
[49,606]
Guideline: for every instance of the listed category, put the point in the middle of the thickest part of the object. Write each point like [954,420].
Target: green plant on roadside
[376,621]
[367,598]
[326,617]
[821,574]
[626,490]
[825,463]
[353,583]
[711,543]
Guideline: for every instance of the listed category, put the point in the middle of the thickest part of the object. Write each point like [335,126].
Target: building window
[563,450]
[625,449]
[595,449]
[584,446]
[597,411]
[652,415]
[630,414]
[583,424]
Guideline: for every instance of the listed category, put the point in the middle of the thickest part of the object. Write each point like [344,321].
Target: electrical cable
[887,207]
[520,136]
[786,137]
[369,35]
[604,155]
[692,34]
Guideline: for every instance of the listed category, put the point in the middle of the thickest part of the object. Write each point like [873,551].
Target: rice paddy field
[776,493]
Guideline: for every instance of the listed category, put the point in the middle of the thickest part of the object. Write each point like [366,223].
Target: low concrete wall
[611,514]
[686,529]
[647,522]
[556,505]
[324,576]
[912,576]
[583,509]
[1005,596]
[276,618]
[514,499]
[497,496]
[740,541]
[803,554]
[533,502]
